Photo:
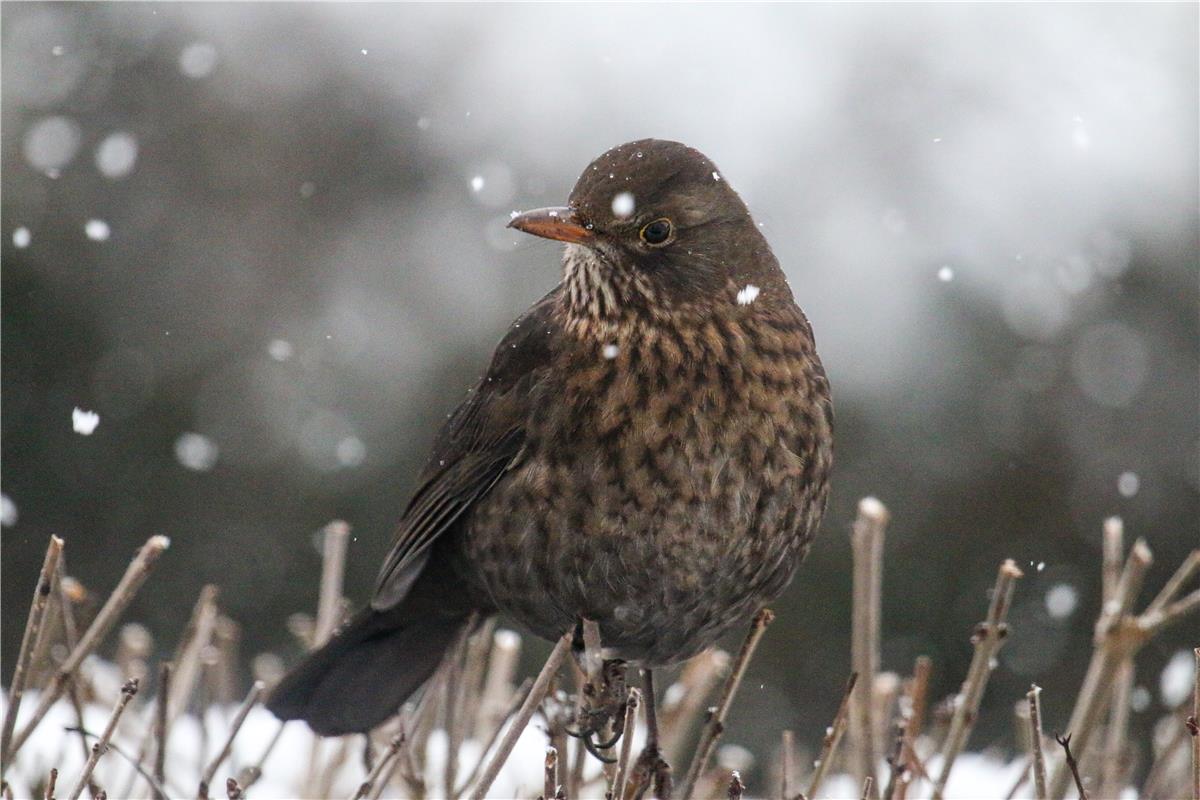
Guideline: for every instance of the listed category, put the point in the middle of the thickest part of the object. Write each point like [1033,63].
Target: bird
[650,449]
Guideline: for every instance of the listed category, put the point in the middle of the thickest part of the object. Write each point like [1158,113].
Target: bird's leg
[651,768]
[604,691]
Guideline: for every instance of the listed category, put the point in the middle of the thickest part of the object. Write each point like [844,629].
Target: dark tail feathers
[365,672]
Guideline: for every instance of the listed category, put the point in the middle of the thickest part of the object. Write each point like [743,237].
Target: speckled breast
[693,475]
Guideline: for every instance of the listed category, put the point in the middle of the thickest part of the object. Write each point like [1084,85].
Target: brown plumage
[650,448]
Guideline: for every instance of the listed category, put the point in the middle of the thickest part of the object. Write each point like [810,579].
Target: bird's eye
[656,232]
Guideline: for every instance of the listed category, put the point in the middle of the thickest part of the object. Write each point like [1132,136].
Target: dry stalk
[866,541]
[550,774]
[519,700]
[787,747]
[255,694]
[50,784]
[918,701]
[621,775]
[333,568]
[833,735]
[532,701]
[1194,728]
[988,640]
[685,700]
[135,575]
[162,725]
[381,763]
[1113,643]
[1114,554]
[715,725]
[37,614]
[101,746]
[1065,742]
[1113,770]
[868,788]
[1036,754]
[736,787]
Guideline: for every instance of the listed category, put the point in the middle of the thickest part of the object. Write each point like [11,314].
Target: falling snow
[1175,683]
[623,205]
[747,295]
[280,349]
[8,511]
[477,183]
[1061,600]
[198,60]
[1128,484]
[196,452]
[97,230]
[611,351]
[116,155]
[21,238]
[945,274]
[84,422]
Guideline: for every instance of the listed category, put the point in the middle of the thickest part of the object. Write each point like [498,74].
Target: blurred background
[266,245]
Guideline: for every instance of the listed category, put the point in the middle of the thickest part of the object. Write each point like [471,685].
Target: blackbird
[650,449]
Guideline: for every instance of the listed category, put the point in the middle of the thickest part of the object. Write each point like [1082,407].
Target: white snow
[8,511]
[21,238]
[97,230]
[351,451]
[611,351]
[623,205]
[946,273]
[117,154]
[1061,600]
[477,183]
[51,143]
[1175,683]
[1128,484]
[280,349]
[196,452]
[84,422]
[716,176]
[747,295]
[198,60]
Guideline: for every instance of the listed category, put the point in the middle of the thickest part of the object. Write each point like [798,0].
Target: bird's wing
[481,441]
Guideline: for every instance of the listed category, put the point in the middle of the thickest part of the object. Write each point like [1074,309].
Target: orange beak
[560,224]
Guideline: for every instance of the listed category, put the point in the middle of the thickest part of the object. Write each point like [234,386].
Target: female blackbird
[650,449]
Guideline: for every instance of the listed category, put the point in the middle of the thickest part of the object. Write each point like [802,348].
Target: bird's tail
[364,673]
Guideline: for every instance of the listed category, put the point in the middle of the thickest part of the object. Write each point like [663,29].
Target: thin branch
[686,699]
[622,770]
[918,702]
[252,774]
[519,700]
[255,694]
[532,701]
[101,746]
[1114,762]
[1114,554]
[989,638]
[50,783]
[1172,587]
[37,615]
[866,541]
[391,753]
[736,787]
[550,774]
[135,576]
[898,772]
[1037,755]
[1065,741]
[787,748]
[162,724]
[868,788]
[833,735]
[1193,726]
[715,725]
[1112,644]
[498,684]
[333,568]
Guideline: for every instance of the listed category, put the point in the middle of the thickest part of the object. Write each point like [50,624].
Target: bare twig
[33,626]
[866,540]
[532,701]
[1113,770]
[622,770]
[233,790]
[101,746]
[1114,553]
[736,787]
[988,639]
[898,769]
[1194,729]
[128,586]
[333,567]
[787,747]
[1113,643]
[715,725]
[50,784]
[868,788]
[1037,755]
[1065,741]
[250,775]
[1172,587]
[383,761]
[918,701]
[685,700]
[519,700]
[833,735]
[162,724]
[235,726]
[550,774]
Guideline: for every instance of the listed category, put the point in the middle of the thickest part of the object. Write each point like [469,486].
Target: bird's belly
[665,543]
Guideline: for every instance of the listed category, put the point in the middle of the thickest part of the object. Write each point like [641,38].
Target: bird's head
[653,225]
